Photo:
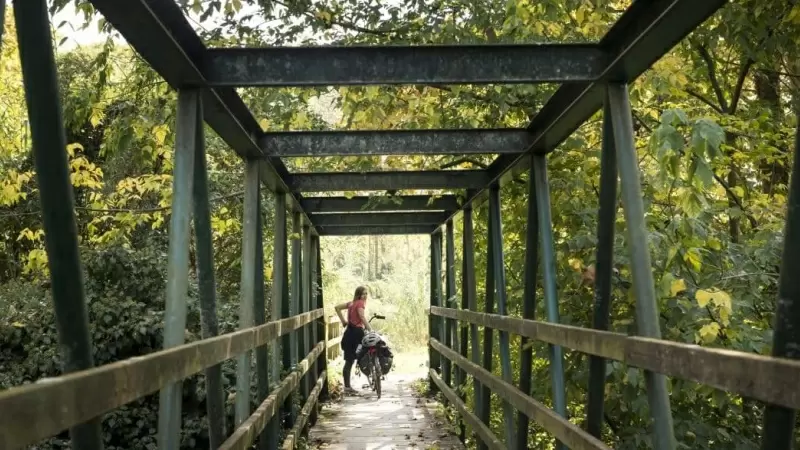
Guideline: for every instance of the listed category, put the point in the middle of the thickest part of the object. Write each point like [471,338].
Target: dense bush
[125,296]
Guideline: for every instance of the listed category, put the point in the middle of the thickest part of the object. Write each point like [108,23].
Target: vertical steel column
[500,293]
[169,415]
[606,218]
[643,287]
[207,289]
[470,301]
[433,321]
[279,293]
[58,214]
[260,317]
[484,400]
[450,292]
[311,380]
[779,422]
[528,303]
[468,295]
[542,193]
[247,286]
[323,335]
[296,304]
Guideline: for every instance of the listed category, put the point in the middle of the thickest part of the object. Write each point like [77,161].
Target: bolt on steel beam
[419,64]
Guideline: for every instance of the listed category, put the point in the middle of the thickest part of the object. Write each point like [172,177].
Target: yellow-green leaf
[677,286]
[708,333]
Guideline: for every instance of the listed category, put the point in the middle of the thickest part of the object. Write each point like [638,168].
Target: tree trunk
[773,168]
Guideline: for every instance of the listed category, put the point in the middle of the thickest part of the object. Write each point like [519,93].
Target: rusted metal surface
[483,431]
[565,431]
[290,440]
[52,403]
[772,380]
[244,436]
[418,64]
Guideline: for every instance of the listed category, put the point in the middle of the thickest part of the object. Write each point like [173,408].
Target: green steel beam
[377,219]
[377,203]
[384,181]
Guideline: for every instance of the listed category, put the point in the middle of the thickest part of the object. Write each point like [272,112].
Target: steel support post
[779,422]
[449,300]
[323,334]
[169,415]
[542,193]
[260,316]
[280,361]
[641,270]
[469,300]
[467,285]
[433,321]
[484,400]
[247,286]
[298,339]
[311,380]
[528,304]
[207,289]
[500,294]
[58,214]
[606,218]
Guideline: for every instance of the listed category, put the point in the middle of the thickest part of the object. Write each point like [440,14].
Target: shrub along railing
[296,334]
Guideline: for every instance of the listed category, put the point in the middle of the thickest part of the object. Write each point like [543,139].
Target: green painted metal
[469,298]
[606,218]
[297,342]
[500,294]
[380,203]
[450,292]
[371,219]
[260,317]
[58,216]
[169,414]
[247,286]
[280,307]
[542,193]
[435,292]
[384,181]
[320,304]
[779,423]
[418,64]
[528,305]
[484,399]
[646,308]
[366,230]
[395,142]
[207,289]
[308,343]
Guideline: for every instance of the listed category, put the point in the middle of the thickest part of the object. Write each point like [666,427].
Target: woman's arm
[363,318]
[338,308]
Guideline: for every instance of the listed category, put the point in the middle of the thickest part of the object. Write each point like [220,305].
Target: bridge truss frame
[593,76]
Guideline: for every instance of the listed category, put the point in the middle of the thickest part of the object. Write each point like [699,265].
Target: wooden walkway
[399,420]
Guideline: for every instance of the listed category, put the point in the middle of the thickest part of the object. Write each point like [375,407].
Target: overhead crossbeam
[378,219]
[385,181]
[445,64]
[642,35]
[380,203]
[162,36]
[395,142]
[376,230]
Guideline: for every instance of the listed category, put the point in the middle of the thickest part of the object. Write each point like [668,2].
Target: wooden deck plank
[399,420]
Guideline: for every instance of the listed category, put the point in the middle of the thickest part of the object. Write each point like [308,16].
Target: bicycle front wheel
[377,374]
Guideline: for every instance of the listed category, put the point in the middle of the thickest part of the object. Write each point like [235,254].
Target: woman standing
[355,325]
